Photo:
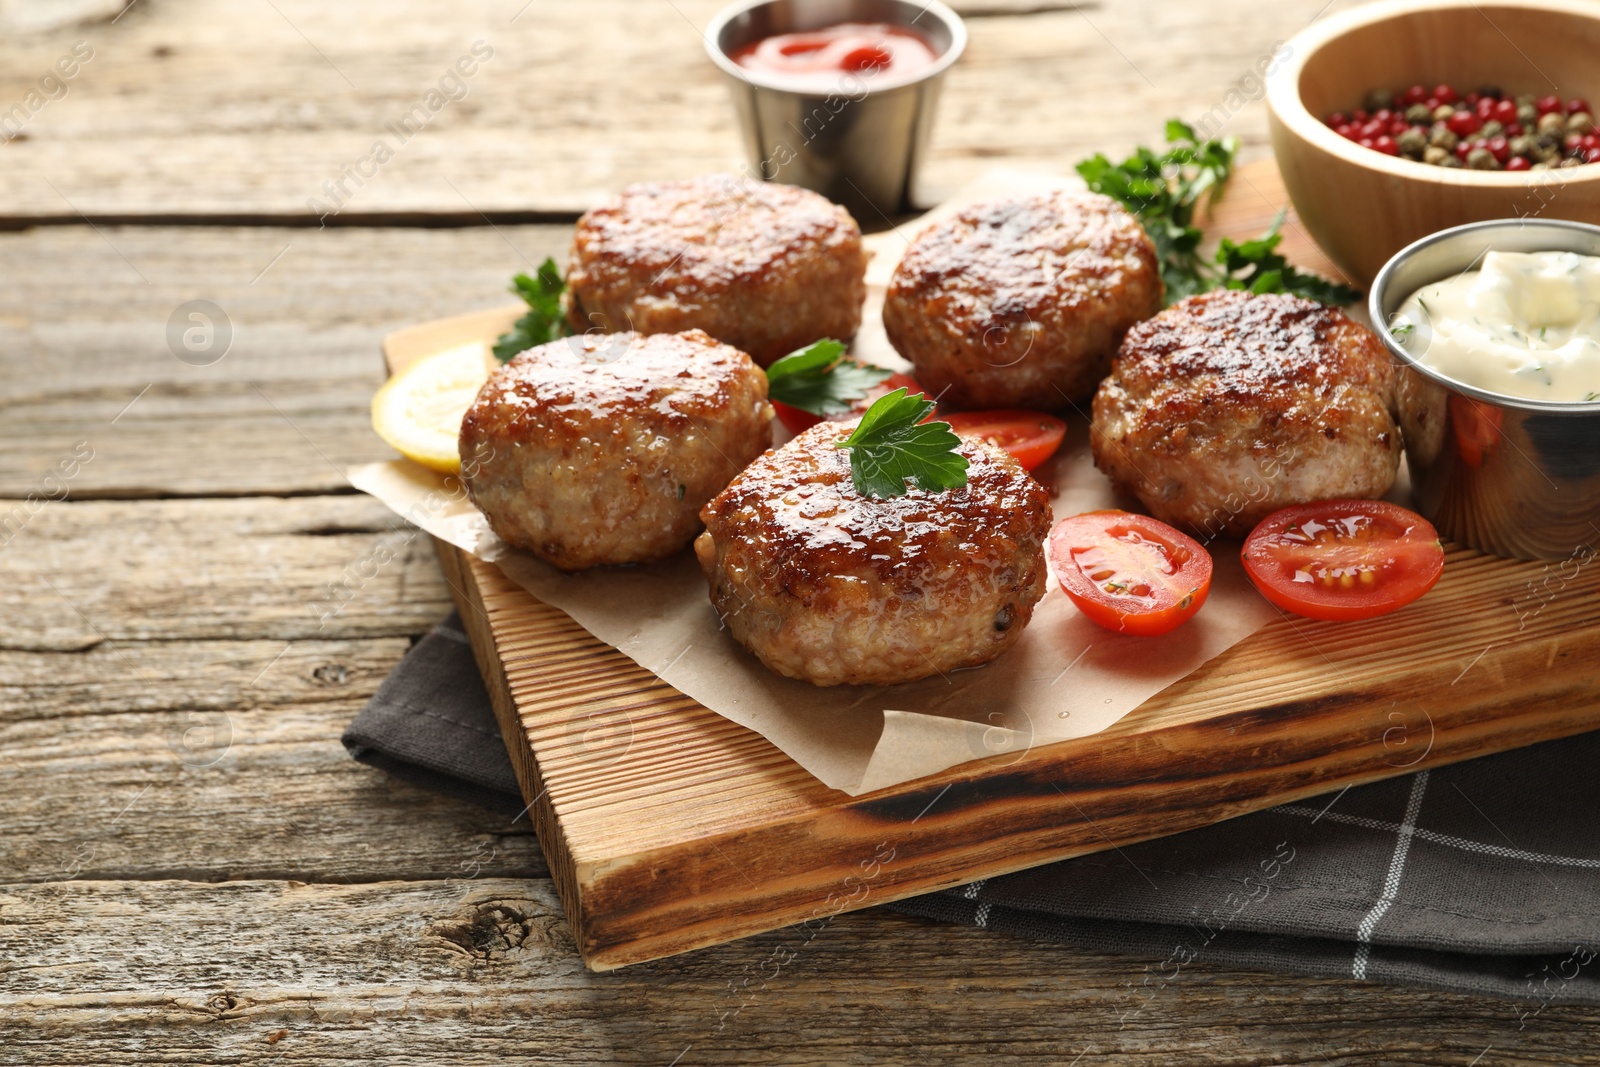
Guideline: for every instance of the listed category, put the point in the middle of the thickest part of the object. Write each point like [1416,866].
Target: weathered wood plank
[482,971]
[170,117]
[115,754]
[79,575]
[84,323]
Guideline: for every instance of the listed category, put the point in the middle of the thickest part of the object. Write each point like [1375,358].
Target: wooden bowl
[1362,206]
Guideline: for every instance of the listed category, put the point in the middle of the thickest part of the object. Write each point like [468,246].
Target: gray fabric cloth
[1482,877]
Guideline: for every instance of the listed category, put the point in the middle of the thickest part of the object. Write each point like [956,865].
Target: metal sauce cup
[1502,474]
[860,144]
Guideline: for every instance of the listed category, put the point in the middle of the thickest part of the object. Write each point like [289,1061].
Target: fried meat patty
[832,587]
[766,268]
[1228,406]
[602,448]
[1021,303]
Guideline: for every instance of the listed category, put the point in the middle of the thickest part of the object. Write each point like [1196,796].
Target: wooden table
[193,870]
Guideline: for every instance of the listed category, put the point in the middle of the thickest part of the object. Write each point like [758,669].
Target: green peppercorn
[1450,160]
[1419,115]
[1443,112]
[1492,129]
[1443,137]
[1378,100]
[1528,115]
[1526,100]
[1435,156]
[1482,159]
[1570,161]
[1580,122]
[1553,123]
[1523,146]
[1411,143]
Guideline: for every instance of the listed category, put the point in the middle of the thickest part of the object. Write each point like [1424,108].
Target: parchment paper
[1065,677]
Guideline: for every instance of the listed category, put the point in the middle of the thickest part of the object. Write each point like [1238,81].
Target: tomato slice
[1343,559]
[1130,573]
[796,420]
[1031,436]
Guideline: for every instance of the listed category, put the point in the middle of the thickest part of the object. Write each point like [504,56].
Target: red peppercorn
[1592,156]
[1337,119]
[1485,108]
[1517,163]
[1464,123]
[1572,142]
[1359,115]
[1415,95]
[1365,142]
[1463,147]
[1578,103]
[1374,128]
[1505,112]
[1499,148]
[1514,129]
[1433,103]
[1383,115]
[1590,140]
[1348,131]
[1386,145]
[1471,99]
[1398,126]
[1547,104]
[1444,94]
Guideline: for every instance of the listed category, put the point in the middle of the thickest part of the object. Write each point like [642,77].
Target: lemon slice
[419,410]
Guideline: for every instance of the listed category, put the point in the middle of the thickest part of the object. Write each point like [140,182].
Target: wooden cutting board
[669,828]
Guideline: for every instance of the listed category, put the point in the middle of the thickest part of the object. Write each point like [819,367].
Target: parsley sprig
[892,445]
[818,379]
[544,320]
[1168,189]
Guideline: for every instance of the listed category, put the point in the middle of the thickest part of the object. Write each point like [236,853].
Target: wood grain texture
[669,828]
[483,972]
[578,100]
[84,320]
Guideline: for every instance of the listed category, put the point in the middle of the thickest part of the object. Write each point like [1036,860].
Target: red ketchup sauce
[816,59]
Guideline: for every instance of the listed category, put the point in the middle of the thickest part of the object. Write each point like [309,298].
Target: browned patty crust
[602,448]
[767,268]
[1229,406]
[1021,302]
[829,586]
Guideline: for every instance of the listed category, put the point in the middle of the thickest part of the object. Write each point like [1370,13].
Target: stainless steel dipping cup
[859,145]
[1513,477]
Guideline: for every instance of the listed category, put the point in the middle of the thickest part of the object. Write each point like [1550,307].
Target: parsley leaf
[817,379]
[544,321]
[1165,191]
[1259,267]
[892,444]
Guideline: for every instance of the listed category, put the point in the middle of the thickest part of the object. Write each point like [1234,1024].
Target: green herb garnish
[1402,330]
[818,379]
[1166,191]
[1259,267]
[544,321]
[891,444]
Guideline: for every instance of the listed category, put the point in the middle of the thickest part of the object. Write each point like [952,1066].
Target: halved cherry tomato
[796,420]
[1130,573]
[1343,559]
[1031,436]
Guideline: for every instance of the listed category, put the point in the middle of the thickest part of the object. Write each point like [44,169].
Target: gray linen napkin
[1482,877]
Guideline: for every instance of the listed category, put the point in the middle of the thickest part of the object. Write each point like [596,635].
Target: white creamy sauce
[1526,325]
